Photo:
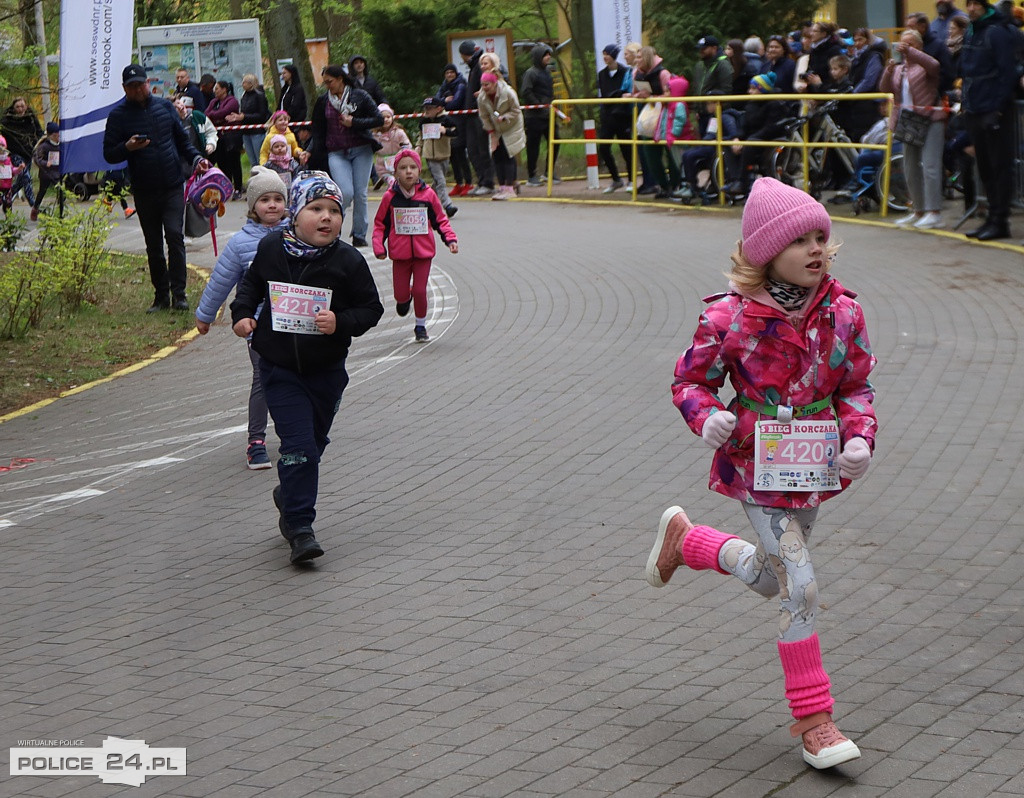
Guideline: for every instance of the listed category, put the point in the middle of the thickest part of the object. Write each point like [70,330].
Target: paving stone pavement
[480,625]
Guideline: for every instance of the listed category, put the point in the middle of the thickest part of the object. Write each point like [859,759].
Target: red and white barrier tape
[263,127]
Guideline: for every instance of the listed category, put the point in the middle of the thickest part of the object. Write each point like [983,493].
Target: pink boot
[679,542]
[809,692]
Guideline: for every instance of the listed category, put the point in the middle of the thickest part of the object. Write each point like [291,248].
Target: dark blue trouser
[302,407]
[162,216]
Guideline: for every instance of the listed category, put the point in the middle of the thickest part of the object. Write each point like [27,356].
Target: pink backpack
[208,192]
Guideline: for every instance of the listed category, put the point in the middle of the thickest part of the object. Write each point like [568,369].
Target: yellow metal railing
[719,143]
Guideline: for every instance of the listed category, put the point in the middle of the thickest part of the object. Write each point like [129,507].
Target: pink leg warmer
[701,546]
[808,688]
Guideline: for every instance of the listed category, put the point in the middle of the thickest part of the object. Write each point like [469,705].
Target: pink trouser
[414,271]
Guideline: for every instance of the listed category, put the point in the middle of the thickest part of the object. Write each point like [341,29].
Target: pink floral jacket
[773,358]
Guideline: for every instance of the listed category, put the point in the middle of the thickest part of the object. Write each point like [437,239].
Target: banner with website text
[95,45]
[616,22]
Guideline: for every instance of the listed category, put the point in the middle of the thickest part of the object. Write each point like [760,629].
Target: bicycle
[787,161]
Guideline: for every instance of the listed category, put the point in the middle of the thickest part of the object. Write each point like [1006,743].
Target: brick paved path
[480,625]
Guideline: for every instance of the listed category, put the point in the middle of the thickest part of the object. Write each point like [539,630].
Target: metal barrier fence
[806,145]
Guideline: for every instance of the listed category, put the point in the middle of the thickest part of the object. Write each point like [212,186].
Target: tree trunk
[283,28]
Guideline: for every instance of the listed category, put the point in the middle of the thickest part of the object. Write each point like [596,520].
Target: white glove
[855,459]
[717,428]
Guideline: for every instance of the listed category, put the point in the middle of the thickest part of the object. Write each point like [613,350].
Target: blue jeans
[252,143]
[350,169]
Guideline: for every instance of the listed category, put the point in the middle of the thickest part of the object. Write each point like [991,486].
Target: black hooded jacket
[537,86]
[366,83]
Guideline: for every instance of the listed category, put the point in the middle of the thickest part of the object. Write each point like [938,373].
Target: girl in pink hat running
[793,344]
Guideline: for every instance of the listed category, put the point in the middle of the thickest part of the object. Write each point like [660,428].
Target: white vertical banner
[615,22]
[95,45]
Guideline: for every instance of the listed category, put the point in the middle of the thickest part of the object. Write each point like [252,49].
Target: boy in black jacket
[318,294]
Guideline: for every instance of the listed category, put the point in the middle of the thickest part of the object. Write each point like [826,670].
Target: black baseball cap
[707,41]
[133,73]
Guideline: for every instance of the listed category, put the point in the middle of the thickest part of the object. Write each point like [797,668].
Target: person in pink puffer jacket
[408,211]
[793,344]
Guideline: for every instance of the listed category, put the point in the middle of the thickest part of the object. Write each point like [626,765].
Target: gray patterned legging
[779,565]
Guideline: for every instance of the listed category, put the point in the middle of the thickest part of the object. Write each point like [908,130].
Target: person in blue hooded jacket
[146,132]
[266,197]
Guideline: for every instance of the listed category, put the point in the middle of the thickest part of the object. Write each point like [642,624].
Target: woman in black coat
[293,96]
[342,142]
[20,126]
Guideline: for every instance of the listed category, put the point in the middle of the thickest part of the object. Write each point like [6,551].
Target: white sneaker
[910,218]
[929,221]
[502,193]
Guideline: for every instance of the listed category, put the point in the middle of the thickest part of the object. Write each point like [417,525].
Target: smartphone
[141,137]
[897,56]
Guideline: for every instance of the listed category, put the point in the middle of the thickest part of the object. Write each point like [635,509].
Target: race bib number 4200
[799,456]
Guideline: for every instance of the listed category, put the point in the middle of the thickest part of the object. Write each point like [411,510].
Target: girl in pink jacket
[793,344]
[408,210]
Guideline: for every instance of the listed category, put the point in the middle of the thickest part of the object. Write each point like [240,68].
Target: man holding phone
[145,131]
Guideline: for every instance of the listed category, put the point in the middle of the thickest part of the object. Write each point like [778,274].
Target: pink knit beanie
[775,214]
[405,152]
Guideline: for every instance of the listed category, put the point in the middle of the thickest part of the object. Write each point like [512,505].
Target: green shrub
[28,290]
[12,228]
[72,245]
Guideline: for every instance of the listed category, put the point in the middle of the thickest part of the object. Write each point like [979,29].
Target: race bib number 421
[799,456]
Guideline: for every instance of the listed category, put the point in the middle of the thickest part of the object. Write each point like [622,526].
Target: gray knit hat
[263,181]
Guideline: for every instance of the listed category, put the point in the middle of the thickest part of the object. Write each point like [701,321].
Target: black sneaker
[159,304]
[402,308]
[358,243]
[305,547]
[451,210]
[180,304]
[421,335]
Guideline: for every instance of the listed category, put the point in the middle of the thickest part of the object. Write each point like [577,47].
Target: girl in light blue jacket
[267,200]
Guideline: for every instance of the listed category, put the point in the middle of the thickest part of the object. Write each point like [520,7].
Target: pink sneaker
[824,745]
[667,554]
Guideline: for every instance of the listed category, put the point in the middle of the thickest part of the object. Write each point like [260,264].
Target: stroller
[83,184]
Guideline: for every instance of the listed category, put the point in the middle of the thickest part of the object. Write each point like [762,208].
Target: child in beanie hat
[793,344]
[264,181]
[304,298]
[265,197]
[281,161]
[392,138]
[765,84]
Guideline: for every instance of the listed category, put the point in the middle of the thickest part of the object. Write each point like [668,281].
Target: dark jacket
[253,104]
[41,157]
[610,86]
[712,75]
[367,83]
[156,167]
[453,93]
[293,101]
[988,65]
[22,132]
[866,66]
[938,50]
[761,120]
[473,81]
[364,120]
[537,86]
[817,62]
[785,71]
[355,302]
[191,90]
